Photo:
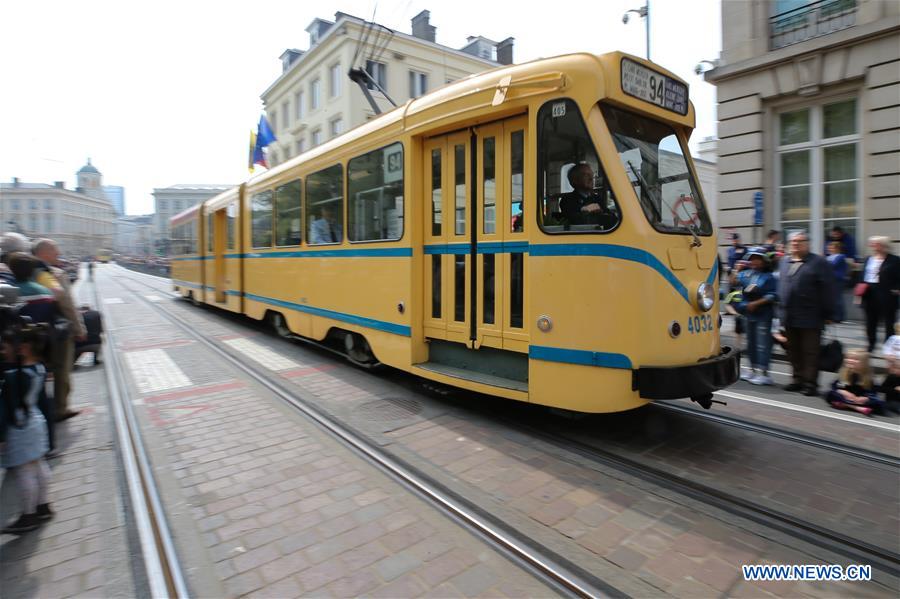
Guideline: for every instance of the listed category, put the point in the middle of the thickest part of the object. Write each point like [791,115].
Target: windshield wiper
[645,189]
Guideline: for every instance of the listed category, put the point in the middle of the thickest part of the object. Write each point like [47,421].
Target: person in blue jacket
[759,291]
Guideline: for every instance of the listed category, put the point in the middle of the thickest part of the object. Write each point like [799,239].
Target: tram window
[436,192]
[375,193]
[261,220]
[325,206]
[575,195]
[287,214]
[517,181]
[487,285]
[210,233]
[230,219]
[459,183]
[489,191]
[516,289]
[655,163]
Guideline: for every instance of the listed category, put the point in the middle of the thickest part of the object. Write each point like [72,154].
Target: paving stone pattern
[283,510]
[84,550]
[667,542]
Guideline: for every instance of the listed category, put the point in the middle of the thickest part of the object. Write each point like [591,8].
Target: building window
[273,121]
[315,89]
[32,224]
[48,204]
[818,169]
[33,204]
[375,192]
[163,205]
[334,81]
[48,223]
[298,101]
[285,114]
[378,72]
[418,84]
[316,137]
[16,205]
[301,146]
[337,127]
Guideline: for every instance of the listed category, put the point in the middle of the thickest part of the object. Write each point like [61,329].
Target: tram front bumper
[694,380]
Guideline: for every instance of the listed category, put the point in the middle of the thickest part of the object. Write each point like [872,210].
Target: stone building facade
[313,100]
[809,116]
[81,220]
[169,201]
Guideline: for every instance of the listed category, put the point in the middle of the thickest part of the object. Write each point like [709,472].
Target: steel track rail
[796,437]
[883,559]
[863,552]
[164,573]
[548,566]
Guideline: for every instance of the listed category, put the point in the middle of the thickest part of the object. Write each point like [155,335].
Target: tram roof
[543,76]
[186,214]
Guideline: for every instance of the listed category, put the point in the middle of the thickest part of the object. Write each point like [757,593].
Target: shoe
[794,387]
[748,375]
[68,414]
[811,392]
[44,512]
[762,379]
[25,523]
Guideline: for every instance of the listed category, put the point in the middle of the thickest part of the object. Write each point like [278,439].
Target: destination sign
[653,87]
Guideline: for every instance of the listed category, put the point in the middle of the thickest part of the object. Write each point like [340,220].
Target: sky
[166,92]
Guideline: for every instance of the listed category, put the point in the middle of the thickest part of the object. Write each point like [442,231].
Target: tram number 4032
[700,324]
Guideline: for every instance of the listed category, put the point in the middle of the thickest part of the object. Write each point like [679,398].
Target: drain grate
[388,409]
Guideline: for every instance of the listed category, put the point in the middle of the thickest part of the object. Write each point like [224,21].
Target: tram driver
[584,205]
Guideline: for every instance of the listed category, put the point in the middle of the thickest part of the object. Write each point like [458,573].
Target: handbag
[860,289]
[831,355]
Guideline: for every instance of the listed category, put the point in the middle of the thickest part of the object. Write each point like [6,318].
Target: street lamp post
[643,12]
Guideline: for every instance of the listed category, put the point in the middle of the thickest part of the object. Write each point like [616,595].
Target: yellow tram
[534,232]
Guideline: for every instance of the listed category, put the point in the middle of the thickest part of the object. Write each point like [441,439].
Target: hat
[14,242]
[757,251]
[735,235]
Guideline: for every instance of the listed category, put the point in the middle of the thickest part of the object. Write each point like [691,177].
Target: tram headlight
[705,299]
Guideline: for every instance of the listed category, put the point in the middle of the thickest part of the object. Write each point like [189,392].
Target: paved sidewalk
[84,550]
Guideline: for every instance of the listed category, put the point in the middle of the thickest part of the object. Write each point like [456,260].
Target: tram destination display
[654,87]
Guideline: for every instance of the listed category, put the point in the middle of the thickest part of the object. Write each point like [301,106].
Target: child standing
[854,389]
[758,297]
[23,430]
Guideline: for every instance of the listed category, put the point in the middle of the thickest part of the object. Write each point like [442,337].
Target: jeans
[759,341]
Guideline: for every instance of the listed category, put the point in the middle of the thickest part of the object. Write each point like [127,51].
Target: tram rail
[165,576]
[881,558]
[548,566]
[786,434]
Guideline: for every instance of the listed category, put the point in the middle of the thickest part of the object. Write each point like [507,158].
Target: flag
[259,140]
[264,135]
[251,152]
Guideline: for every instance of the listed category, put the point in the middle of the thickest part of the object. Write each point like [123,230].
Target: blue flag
[264,135]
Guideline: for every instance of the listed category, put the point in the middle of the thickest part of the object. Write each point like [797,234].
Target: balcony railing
[813,20]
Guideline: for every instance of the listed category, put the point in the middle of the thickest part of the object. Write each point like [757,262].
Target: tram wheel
[193,299]
[357,349]
[279,325]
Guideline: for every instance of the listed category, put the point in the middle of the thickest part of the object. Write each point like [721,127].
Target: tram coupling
[706,400]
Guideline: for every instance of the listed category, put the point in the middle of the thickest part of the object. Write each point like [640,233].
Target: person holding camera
[758,298]
[24,438]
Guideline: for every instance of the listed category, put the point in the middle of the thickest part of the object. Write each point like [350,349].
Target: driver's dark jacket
[570,204]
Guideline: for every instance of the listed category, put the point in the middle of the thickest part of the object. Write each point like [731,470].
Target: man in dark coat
[807,304]
[93,342]
[583,205]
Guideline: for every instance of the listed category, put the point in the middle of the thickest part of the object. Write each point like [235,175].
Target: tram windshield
[654,160]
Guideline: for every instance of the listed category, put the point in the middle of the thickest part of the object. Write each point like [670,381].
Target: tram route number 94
[700,324]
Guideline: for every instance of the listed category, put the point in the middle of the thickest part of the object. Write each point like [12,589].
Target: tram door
[475,239]
[220,223]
